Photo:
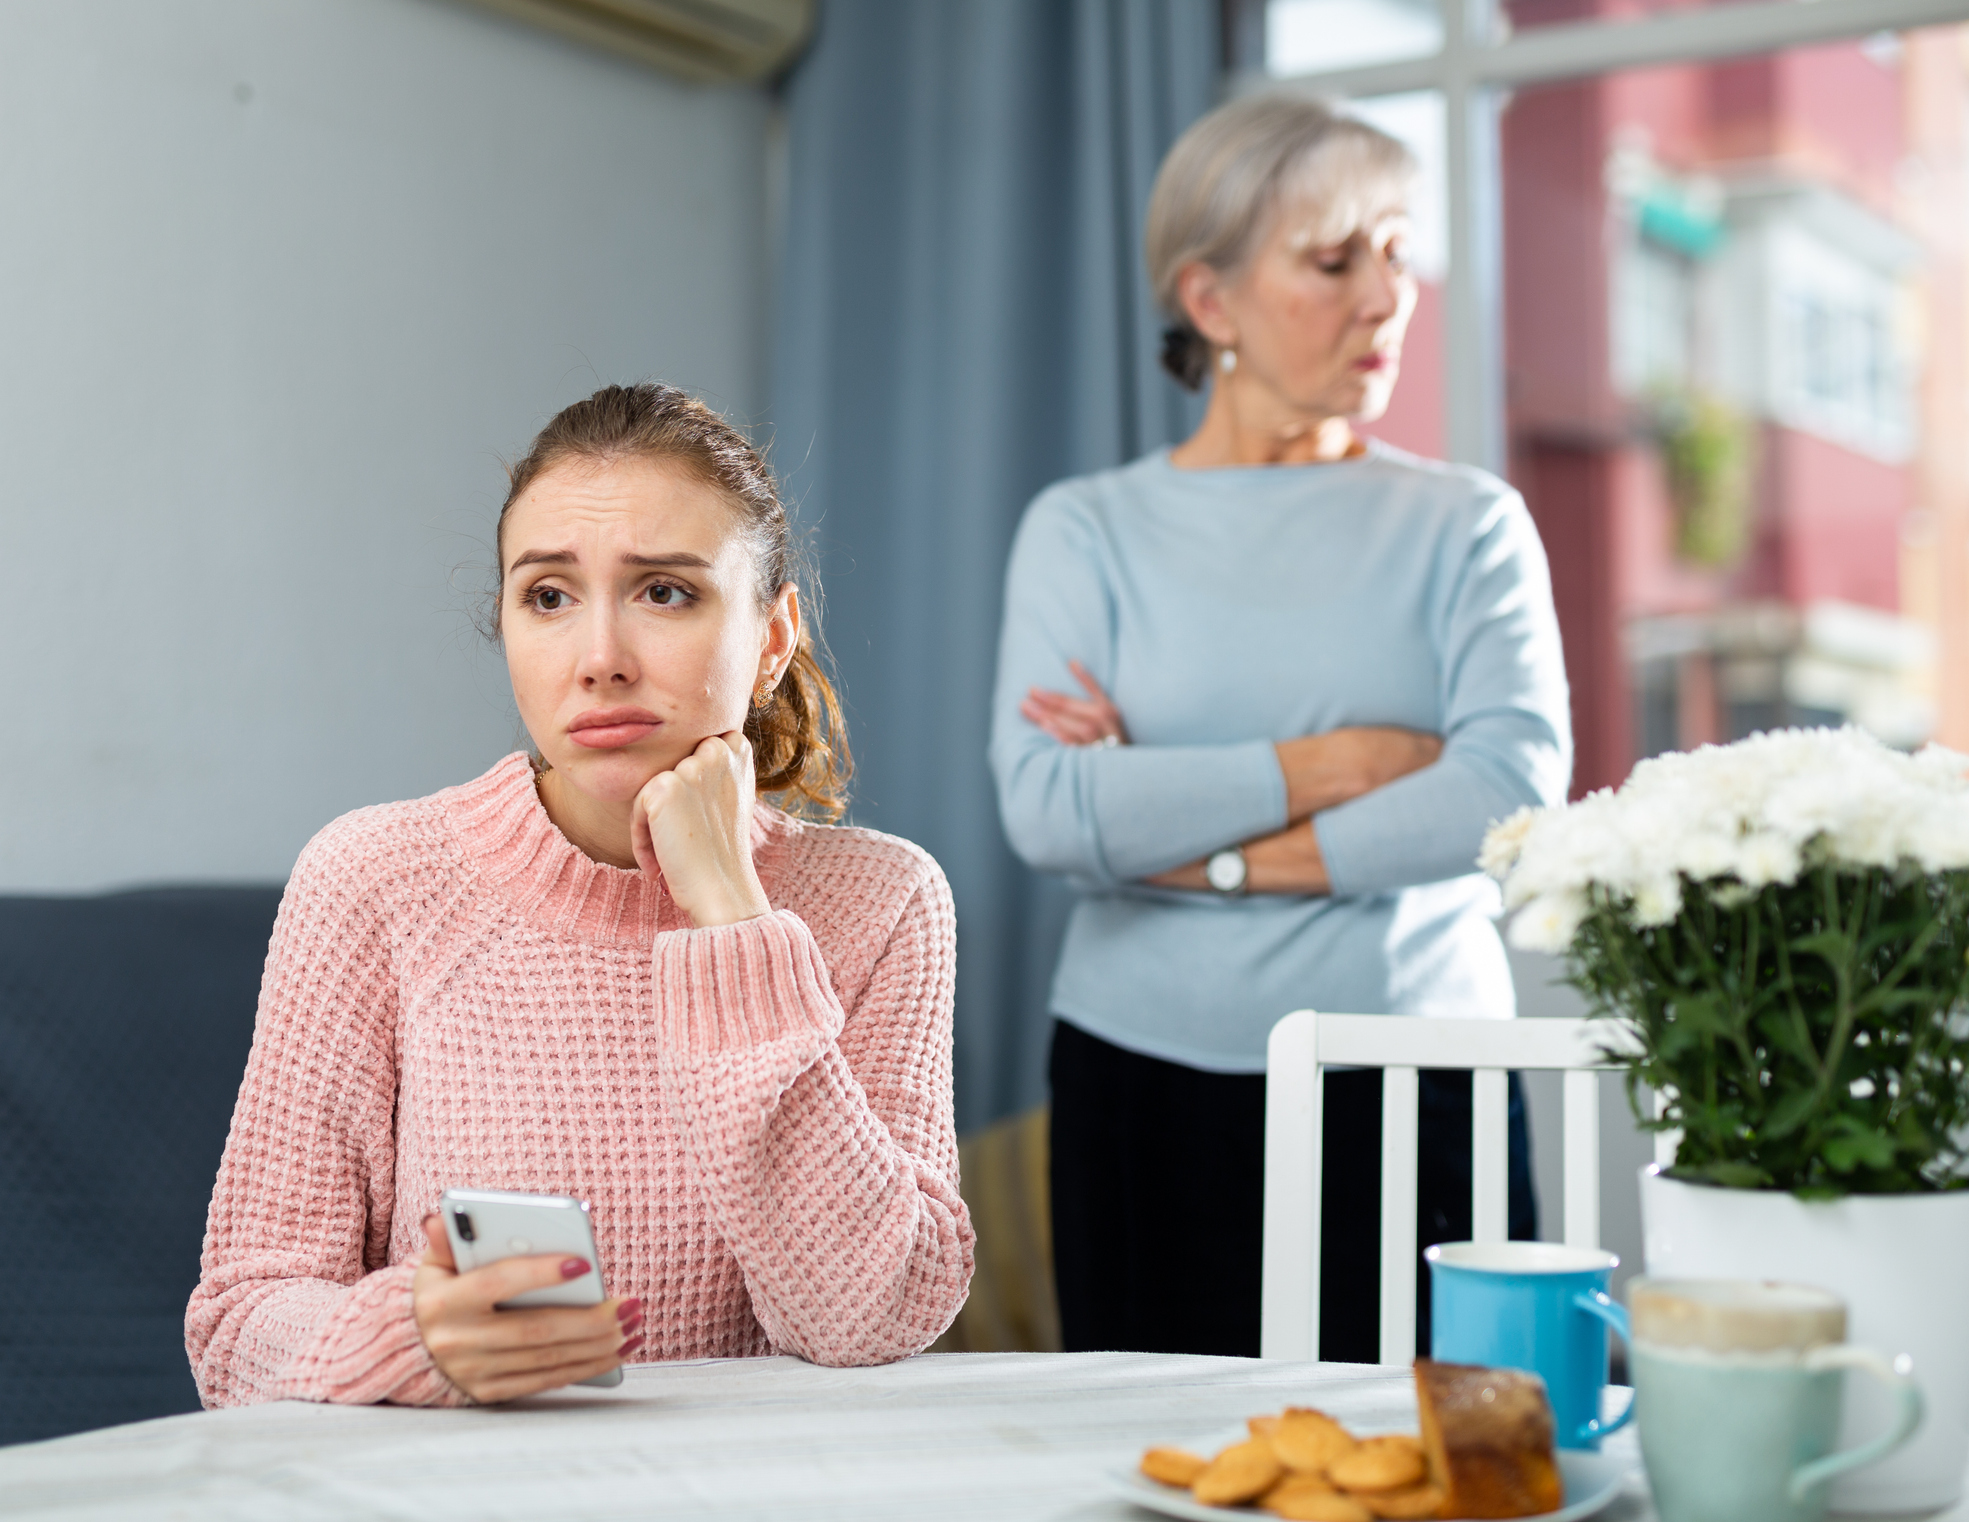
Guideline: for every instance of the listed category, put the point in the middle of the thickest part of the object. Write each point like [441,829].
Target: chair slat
[1400,1154]
[1582,1158]
[1490,1157]
[1295,1096]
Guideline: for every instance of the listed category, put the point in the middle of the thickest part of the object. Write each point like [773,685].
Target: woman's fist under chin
[693,824]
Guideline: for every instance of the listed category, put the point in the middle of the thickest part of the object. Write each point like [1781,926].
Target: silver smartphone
[486,1225]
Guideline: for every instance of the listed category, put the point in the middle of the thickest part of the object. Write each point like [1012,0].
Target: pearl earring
[1227,360]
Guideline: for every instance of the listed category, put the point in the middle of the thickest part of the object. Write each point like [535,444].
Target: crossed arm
[1321,772]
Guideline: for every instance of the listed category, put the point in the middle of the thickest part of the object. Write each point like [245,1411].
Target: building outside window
[1718,311]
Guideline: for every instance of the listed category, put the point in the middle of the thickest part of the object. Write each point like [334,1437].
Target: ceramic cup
[1738,1386]
[1536,1306]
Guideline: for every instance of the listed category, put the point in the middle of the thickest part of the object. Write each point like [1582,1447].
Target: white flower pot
[1898,1261]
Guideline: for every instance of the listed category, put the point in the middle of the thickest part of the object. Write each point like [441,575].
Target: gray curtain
[962,318]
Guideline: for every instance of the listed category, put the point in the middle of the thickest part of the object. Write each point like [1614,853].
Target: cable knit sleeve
[294,1300]
[823,1135]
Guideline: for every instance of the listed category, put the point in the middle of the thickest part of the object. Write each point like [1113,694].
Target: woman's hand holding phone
[494,1355]
[693,823]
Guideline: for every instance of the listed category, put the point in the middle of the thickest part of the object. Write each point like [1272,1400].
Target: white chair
[1305,1044]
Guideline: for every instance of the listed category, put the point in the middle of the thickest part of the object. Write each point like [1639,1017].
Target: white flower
[1942,844]
[1549,924]
[1704,854]
[1766,858]
[1658,900]
[1736,817]
[1502,844]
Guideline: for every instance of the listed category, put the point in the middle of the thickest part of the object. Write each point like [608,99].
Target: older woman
[605,971]
[1258,697]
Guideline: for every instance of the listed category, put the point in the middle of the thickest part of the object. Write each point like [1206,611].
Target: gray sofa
[125,1020]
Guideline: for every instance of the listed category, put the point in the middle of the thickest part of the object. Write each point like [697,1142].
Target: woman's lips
[611,728]
[1378,360]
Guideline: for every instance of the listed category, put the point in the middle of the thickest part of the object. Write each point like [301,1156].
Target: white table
[941,1438]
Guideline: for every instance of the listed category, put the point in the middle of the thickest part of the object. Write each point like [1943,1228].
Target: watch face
[1225,871]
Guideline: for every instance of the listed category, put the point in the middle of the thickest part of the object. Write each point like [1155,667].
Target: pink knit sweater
[759,1114]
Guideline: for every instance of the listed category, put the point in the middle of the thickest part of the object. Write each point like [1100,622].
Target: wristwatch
[1226,872]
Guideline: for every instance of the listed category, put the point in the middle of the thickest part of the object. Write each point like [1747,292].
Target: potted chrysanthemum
[1782,927]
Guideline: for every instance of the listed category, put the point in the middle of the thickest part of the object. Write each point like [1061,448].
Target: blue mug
[1536,1306]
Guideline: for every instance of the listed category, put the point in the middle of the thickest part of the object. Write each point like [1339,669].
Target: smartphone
[486,1225]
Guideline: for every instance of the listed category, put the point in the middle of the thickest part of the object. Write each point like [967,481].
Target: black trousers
[1158,1177]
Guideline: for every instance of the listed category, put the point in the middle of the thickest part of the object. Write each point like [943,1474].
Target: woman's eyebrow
[684,558]
[681,558]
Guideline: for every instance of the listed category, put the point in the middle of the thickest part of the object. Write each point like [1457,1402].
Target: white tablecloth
[941,1438]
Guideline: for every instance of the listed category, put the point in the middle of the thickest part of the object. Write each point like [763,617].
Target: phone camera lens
[465,1232]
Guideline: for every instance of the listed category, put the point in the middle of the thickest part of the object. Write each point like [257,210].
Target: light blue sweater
[1225,610]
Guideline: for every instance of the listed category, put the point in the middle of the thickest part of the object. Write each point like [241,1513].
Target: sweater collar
[523,856]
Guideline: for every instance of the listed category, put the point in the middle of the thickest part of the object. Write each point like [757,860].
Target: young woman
[604,971]
[1259,696]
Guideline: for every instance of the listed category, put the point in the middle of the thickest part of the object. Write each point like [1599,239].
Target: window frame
[1476,68]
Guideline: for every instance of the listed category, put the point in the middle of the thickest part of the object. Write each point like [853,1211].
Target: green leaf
[1833,946]
[1854,1144]
[1790,1112]
[1782,1032]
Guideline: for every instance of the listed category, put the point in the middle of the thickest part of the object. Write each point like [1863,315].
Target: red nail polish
[629,1346]
[629,1310]
[573,1268]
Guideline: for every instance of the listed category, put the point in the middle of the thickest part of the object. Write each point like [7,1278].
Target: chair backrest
[1305,1044]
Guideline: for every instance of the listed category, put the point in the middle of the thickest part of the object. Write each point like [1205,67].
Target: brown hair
[799,742]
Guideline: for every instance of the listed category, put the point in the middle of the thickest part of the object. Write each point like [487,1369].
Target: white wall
[281,281]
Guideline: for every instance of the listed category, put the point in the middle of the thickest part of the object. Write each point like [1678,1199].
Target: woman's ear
[1201,291]
[782,629]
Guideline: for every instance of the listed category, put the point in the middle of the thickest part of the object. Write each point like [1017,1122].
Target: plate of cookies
[1485,1450]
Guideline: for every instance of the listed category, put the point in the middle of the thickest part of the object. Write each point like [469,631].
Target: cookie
[1410,1505]
[1379,1463]
[1173,1466]
[1309,1440]
[1242,1472]
[1307,1498]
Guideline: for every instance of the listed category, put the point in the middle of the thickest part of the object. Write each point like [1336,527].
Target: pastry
[1488,1436]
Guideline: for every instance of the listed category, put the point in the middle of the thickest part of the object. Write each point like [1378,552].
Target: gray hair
[1219,187]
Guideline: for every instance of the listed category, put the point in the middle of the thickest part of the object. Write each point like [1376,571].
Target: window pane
[1732,291]
[1307,36]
